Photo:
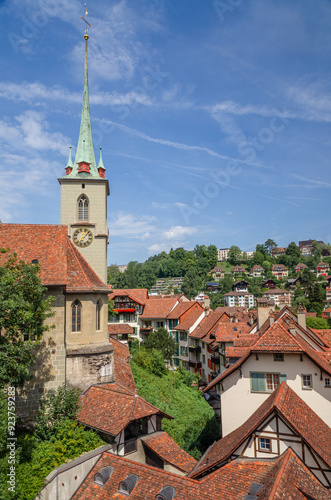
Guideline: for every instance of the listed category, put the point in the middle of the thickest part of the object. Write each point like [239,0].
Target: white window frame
[305,386]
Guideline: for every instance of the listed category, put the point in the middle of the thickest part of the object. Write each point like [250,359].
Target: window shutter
[282,378]
[258,383]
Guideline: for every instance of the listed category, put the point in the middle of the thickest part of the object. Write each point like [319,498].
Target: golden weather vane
[88,25]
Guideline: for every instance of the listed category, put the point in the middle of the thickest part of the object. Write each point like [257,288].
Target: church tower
[84,191]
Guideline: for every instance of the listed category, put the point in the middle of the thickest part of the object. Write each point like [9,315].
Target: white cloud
[176,232]
[130,226]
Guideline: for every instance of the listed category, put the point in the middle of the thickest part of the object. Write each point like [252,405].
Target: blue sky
[213,117]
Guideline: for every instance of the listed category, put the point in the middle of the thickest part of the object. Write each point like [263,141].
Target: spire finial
[88,25]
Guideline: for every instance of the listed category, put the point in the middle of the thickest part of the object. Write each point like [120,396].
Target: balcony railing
[215,360]
[144,331]
[193,348]
[195,364]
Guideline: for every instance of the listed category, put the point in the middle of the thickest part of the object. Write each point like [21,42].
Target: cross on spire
[88,25]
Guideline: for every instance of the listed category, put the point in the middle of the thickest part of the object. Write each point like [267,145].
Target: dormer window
[83,207]
[83,166]
[167,493]
[128,484]
[102,477]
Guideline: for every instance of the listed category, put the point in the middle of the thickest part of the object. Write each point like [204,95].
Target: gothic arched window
[98,315]
[76,316]
[83,207]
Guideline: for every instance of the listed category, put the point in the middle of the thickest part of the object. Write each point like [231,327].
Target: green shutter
[258,383]
[282,378]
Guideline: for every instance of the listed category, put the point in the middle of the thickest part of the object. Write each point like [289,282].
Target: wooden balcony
[195,349]
[215,359]
[195,364]
[146,331]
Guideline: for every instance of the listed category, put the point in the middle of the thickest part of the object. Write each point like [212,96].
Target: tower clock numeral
[82,237]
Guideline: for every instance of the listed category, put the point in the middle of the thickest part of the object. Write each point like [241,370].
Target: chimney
[235,317]
[301,313]
[251,318]
[207,312]
[264,308]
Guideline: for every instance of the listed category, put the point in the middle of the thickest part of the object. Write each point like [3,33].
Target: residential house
[217,273]
[280,296]
[257,271]
[240,286]
[155,315]
[222,254]
[279,270]
[285,350]
[306,247]
[299,267]
[239,299]
[322,269]
[283,423]
[188,352]
[277,252]
[121,332]
[238,271]
[129,305]
[269,283]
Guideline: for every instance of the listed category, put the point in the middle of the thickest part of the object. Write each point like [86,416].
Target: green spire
[101,165]
[70,164]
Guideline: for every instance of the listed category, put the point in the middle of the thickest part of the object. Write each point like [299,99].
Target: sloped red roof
[120,350]
[231,482]
[325,334]
[158,308]
[181,308]
[189,320]
[111,407]
[289,479]
[162,444]
[123,374]
[276,338]
[60,261]
[206,324]
[119,328]
[139,295]
[295,411]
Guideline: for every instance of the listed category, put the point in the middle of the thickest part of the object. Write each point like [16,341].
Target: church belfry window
[83,206]
[98,316]
[76,316]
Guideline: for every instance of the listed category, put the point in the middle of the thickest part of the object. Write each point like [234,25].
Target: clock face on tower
[82,237]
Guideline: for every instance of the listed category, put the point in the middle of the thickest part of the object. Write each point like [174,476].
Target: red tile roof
[111,407]
[206,324]
[119,328]
[139,295]
[182,308]
[191,318]
[276,291]
[60,261]
[231,482]
[158,308]
[276,338]
[164,446]
[295,411]
[120,350]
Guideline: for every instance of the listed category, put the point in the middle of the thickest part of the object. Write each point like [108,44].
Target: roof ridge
[74,252]
[285,459]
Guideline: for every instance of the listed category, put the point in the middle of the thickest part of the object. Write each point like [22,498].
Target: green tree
[293,251]
[234,255]
[55,407]
[161,340]
[23,311]
[317,323]
[270,245]
[192,282]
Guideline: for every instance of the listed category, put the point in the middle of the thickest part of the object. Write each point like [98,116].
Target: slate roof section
[139,295]
[158,308]
[295,411]
[164,446]
[111,407]
[60,261]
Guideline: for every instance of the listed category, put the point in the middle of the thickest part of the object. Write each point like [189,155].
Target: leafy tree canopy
[23,311]
[161,340]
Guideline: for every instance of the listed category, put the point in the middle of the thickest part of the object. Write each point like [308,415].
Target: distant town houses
[300,267]
[222,254]
[277,252]
[306,247]
[279,270]
[322,269]
[217,273]
[238,271]
[280,296]
[257,271]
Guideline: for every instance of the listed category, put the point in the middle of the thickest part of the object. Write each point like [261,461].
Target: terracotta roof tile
[295,411]
[120,328]
[180,309]
[139,295]
[158,308]
[111,407]
[206,324]
[60,261]
[191,318]
[162,444]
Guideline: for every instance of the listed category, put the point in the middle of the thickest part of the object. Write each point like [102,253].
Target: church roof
[60,261]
